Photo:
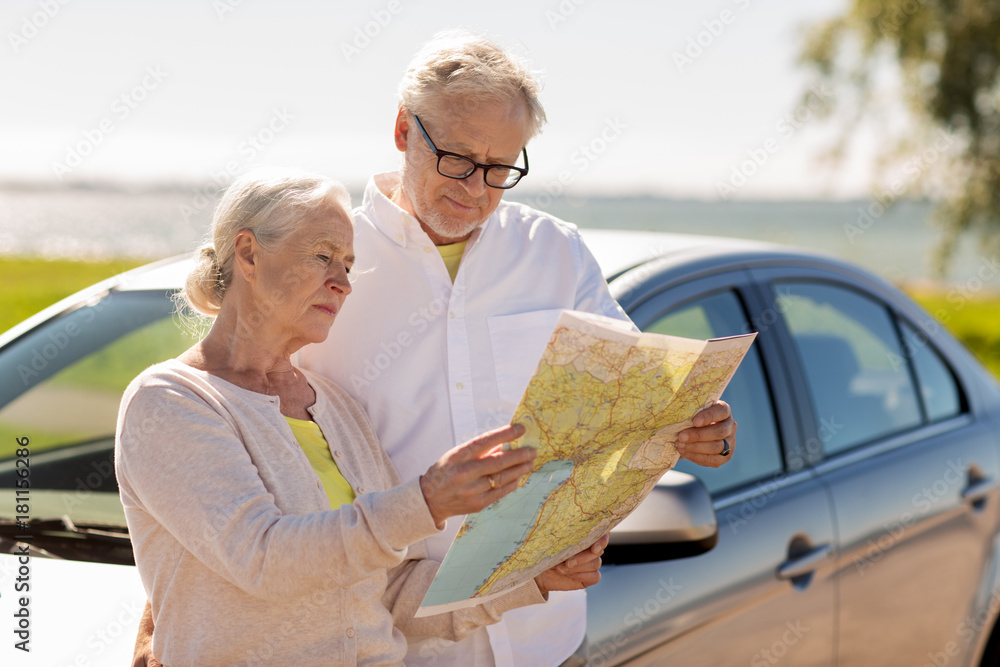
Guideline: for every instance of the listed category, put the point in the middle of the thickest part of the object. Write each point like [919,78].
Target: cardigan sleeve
[183,469]
[408,583]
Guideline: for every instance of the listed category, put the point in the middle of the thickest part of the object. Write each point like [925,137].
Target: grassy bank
[972,318]
[28,285]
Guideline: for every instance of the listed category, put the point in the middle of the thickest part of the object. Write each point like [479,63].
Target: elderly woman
[268,525]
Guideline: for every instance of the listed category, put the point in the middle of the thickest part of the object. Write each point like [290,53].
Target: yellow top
[452,256]
[311,439]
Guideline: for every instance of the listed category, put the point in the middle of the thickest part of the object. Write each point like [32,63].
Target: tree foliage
[945,56]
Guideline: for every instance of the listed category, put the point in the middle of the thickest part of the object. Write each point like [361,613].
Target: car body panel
[727,606]
[910,545]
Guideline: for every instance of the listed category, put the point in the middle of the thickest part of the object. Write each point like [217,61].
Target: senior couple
[295,514]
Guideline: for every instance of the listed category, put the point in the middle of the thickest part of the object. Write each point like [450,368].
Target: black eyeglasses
[453,165]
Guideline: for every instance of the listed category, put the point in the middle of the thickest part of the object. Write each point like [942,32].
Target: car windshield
[65,382]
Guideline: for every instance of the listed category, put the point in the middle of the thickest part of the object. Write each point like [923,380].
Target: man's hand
[576,572]
[703,443]
[142,656]
[476,474]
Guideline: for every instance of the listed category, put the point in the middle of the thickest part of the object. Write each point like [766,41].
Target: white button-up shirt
[436,363]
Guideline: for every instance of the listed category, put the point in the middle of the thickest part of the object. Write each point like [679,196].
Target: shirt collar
[390,219]
[393,221]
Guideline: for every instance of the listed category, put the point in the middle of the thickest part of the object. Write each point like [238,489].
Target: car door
[766,592]
[911,472]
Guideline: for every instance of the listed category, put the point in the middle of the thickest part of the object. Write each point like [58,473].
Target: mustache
[464,200]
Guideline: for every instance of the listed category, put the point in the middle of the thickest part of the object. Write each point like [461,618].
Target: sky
[665,98]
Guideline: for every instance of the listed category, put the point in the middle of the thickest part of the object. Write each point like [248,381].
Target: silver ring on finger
[726,449]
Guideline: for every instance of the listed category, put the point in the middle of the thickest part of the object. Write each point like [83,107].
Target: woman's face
[303,282]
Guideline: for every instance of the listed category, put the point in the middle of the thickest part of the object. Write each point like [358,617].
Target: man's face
[449,209]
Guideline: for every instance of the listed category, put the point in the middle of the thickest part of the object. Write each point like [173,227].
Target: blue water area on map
[494,535]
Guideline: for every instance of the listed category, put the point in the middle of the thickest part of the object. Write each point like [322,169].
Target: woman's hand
[576,572]
[476,474]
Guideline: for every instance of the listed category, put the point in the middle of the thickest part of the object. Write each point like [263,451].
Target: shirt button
[427,248]
[459,385]
[336,453]
[350,632]
[361,489]
[452,314]
[399,237]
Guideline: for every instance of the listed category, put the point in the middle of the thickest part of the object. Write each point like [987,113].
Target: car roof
[168,273]
[617,251]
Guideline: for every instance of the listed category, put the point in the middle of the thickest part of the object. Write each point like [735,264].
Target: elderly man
[457,293]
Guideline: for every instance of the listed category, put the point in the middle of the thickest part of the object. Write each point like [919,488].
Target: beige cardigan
[242,558]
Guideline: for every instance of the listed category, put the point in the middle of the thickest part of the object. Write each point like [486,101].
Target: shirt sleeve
[409,582]
[592,293]
[183,468]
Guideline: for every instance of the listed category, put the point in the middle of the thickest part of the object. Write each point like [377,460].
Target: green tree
[944,56]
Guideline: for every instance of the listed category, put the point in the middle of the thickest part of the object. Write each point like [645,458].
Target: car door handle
[805,563]
[977,490]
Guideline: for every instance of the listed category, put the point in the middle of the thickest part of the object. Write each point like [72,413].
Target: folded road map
[603,410]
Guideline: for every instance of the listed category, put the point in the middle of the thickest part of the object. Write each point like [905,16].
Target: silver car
[857,523]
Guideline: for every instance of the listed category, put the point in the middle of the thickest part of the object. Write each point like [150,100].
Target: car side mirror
[676,520]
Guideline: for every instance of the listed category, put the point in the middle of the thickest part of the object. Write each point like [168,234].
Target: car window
[850,354]
[758,455]
[68,378]
[938,388]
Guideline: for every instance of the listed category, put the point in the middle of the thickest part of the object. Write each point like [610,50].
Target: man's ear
[402,129]
[246,254]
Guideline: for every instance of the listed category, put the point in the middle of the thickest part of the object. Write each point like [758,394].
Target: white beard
[438,222]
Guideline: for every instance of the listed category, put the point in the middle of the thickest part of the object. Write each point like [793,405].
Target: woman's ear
[246,254]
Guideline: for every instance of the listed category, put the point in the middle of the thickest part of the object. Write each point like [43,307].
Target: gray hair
[460,64]
[268,204]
